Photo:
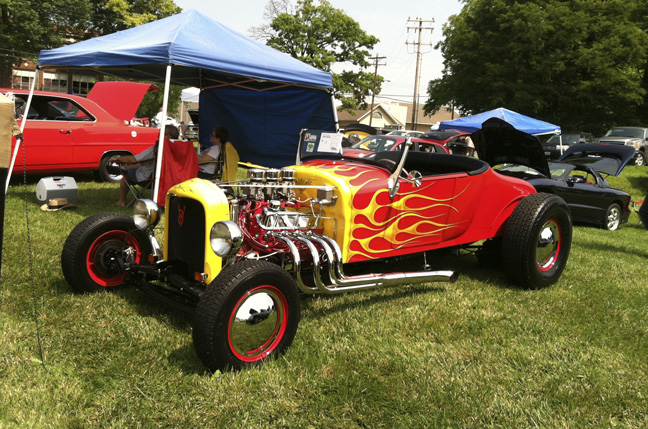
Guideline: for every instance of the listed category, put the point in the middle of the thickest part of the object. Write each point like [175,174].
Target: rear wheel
[96,250]
[248,314]
[612,219]
[107,171]
[537,241]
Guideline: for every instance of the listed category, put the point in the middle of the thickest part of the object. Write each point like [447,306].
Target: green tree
[28,26]
[152,101]
[579,64]
[321,35]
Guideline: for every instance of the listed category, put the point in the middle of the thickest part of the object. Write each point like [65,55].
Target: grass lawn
[470,354]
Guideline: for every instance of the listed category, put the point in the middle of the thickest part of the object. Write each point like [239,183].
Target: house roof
[359,115]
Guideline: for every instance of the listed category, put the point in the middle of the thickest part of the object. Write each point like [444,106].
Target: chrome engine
[278,223]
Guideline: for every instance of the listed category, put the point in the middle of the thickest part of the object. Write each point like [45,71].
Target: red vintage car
[69,133]
[238,255]
[453,140]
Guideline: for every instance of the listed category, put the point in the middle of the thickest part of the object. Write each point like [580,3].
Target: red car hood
[120,99]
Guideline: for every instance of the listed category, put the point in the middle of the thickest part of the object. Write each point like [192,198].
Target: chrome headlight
[633,143]
[225,238]
[146,214]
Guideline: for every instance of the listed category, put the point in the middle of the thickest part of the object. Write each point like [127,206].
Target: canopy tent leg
[160,149]
[22,128]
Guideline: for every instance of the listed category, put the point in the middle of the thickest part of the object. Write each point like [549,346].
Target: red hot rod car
[238,255]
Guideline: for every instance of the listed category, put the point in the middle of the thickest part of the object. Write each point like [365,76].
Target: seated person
[209,157]
[643,212]
[139,168]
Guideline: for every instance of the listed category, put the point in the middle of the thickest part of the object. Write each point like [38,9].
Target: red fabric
[179,163]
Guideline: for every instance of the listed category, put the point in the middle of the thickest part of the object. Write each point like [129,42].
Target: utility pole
[373,92]
[418,44]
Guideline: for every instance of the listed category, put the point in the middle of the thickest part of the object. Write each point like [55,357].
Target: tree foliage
[580,64]
[321,35]
[28,26]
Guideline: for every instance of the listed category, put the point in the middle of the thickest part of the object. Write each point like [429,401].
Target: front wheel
[640,158]
[96,250]
[247,315]
[612,219]
[537,241]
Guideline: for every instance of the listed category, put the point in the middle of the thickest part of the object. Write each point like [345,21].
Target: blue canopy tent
[520,122]
[265,97]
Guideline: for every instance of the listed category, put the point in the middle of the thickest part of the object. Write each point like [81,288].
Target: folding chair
[179,163]
[135,188]
[226,164]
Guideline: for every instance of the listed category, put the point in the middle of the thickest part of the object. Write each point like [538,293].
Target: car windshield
[560,171]
[625,132]
[567,139]
[376,143]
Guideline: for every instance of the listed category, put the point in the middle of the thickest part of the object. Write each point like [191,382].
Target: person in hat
[139,168]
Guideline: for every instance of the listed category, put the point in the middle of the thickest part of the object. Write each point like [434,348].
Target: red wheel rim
[254,336]
[96,264]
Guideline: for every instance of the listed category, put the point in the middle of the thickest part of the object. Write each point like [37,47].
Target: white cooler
[57,187]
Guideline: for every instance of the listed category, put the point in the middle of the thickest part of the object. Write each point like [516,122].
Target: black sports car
[577,177]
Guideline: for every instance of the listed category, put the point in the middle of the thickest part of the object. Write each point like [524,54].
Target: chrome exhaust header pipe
[339,281]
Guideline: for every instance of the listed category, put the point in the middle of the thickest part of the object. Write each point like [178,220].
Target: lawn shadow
[147,306]
[343,305]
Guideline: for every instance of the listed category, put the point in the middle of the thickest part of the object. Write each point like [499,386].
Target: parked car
[191,131]
[237,255]
[453,140]
[405,133]
[557,144]
[636,137]
[372,144]
[353,133]
[578,176]
[68,133]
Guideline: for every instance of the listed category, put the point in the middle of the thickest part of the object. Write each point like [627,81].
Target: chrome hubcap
[548,245]
[257,323]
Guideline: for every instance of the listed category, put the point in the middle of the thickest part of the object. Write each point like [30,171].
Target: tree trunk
[6,67]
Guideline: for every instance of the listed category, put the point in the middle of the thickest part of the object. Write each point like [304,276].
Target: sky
[385,19]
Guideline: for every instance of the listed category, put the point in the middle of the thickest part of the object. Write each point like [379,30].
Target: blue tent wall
[264,126]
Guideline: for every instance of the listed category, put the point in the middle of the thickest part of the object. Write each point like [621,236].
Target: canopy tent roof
[190,49]
[520,122]
[204,53]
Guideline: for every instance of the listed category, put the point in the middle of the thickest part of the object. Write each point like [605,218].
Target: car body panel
[68,133]
[577,180]
[499,143]
[459,201]
[120,99]
[606,159]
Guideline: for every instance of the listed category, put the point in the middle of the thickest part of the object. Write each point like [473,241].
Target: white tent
[190,95]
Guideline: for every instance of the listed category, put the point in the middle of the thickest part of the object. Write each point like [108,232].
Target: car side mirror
[415,177]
